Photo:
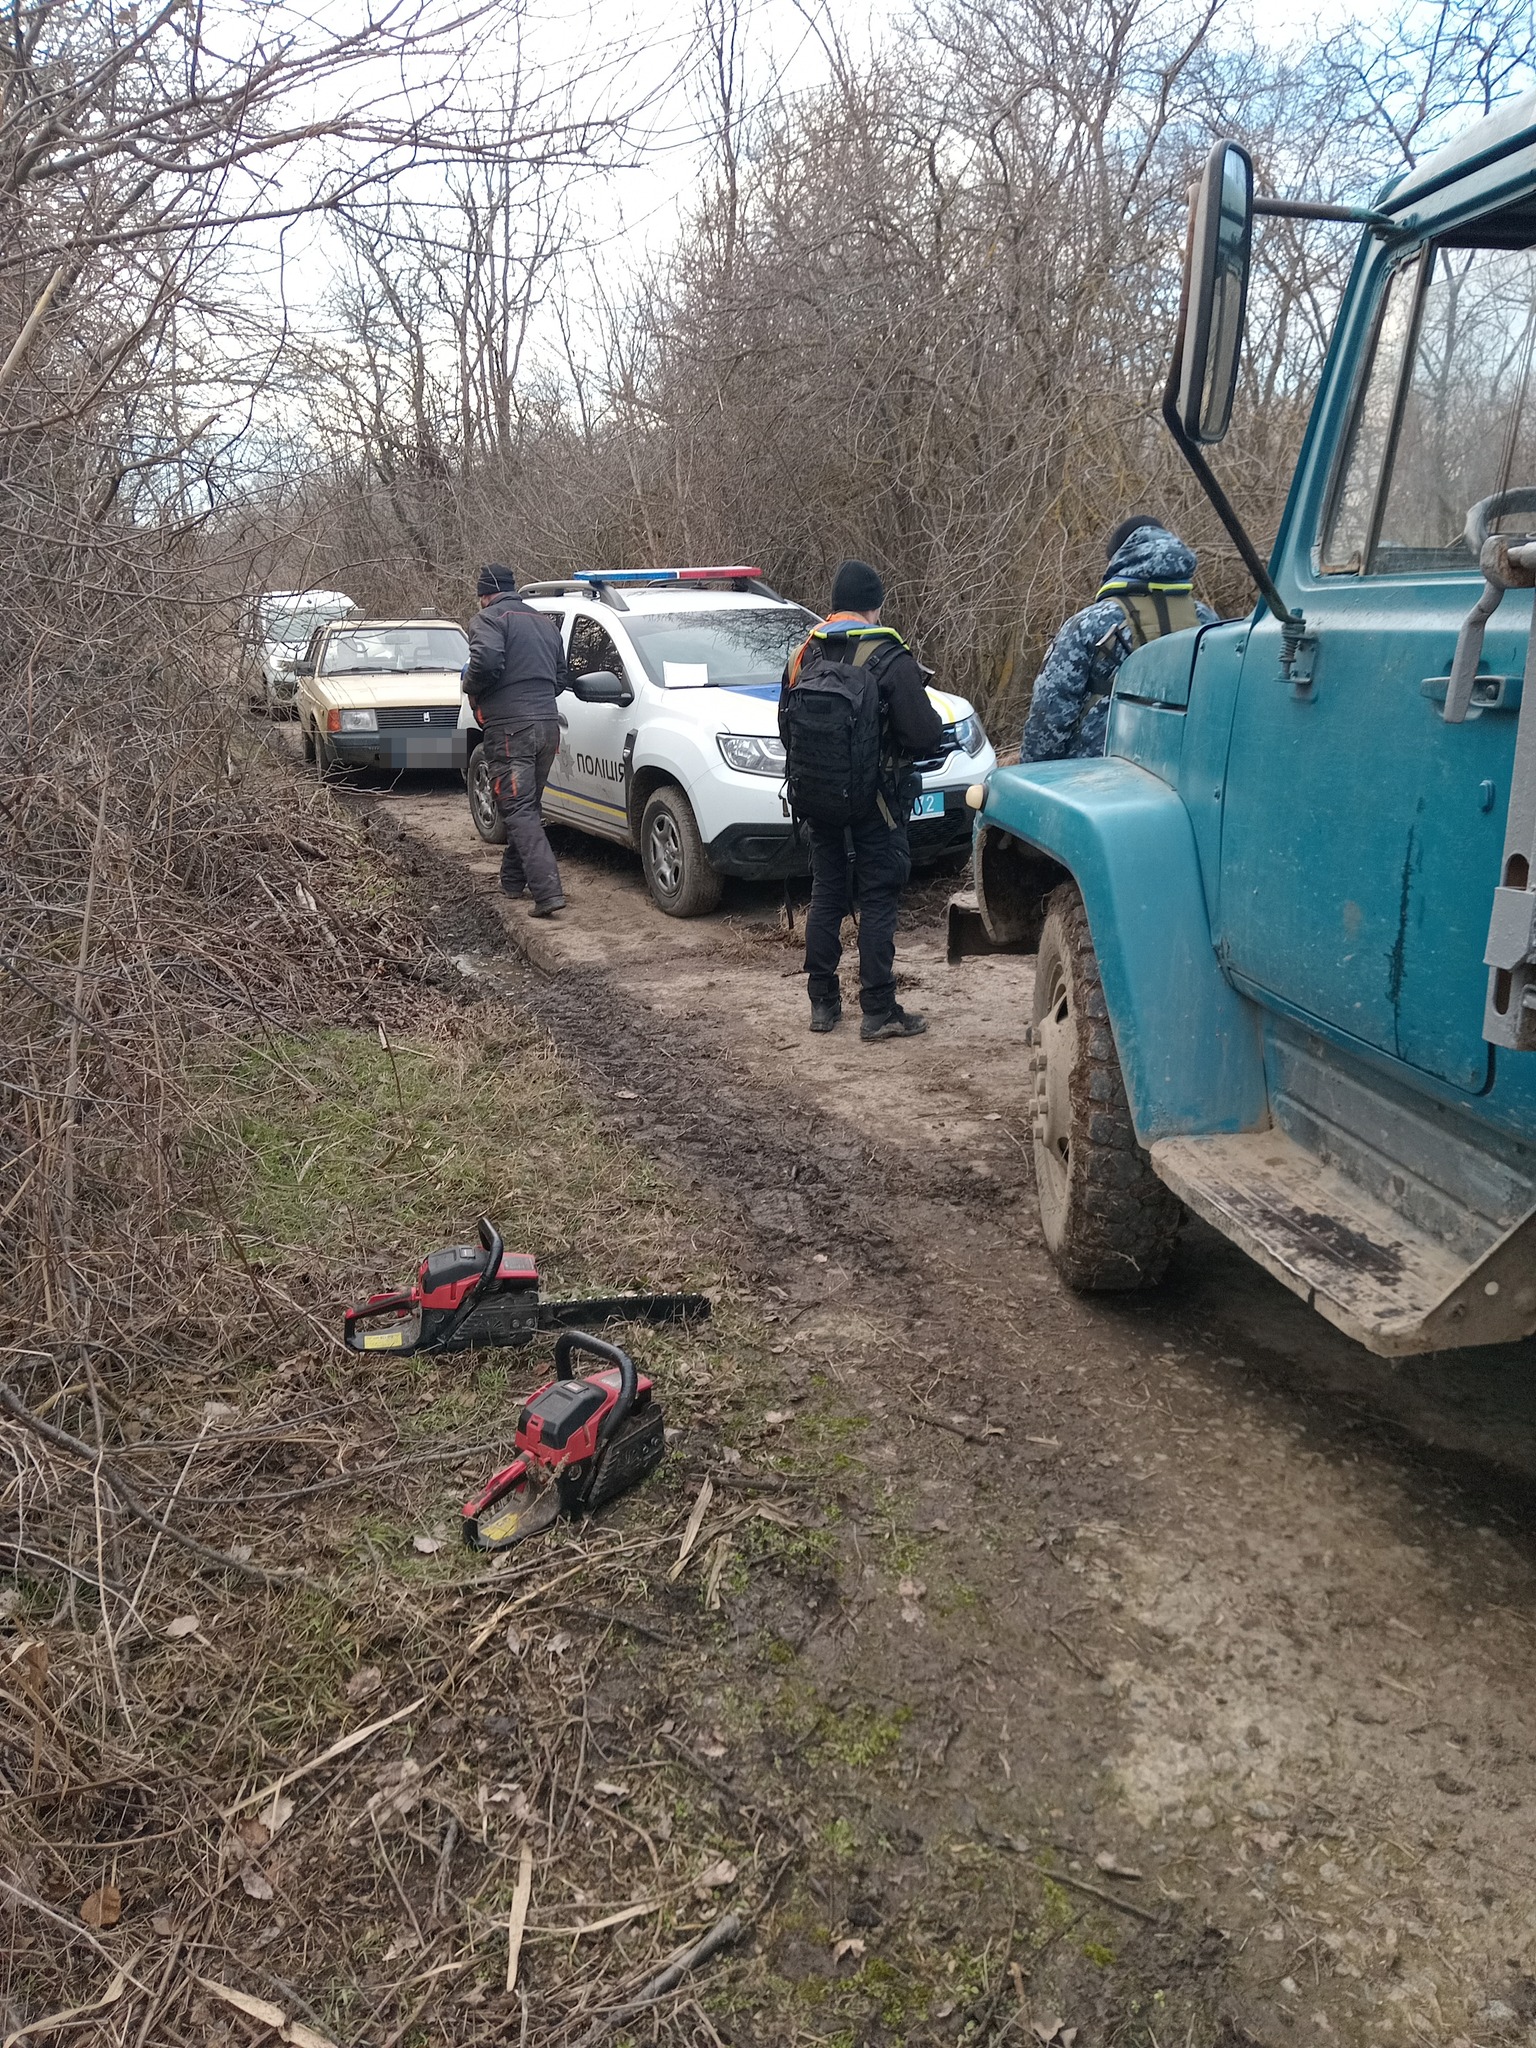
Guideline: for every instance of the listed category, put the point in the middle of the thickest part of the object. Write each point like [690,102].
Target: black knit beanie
[494,577]
[1124,530]
[857,588]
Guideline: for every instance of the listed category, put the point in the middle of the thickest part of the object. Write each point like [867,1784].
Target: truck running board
[1350,1256]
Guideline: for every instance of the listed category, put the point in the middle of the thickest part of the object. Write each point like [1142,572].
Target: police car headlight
[359,721]
[750,755]
[969,734]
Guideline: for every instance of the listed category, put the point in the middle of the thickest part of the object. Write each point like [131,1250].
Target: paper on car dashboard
[685,675]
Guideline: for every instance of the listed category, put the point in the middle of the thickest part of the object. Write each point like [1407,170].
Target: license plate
[930,806]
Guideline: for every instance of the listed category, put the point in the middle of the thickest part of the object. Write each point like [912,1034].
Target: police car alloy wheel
[679,877]
[487,819]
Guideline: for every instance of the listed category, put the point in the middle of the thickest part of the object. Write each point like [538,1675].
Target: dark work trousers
[881,864]
[520,755]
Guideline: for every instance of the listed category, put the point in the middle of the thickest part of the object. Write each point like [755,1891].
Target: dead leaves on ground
[267,2014]
[102,1907]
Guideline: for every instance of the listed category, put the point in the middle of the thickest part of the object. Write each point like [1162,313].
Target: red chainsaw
[580,1443]
[466,1299]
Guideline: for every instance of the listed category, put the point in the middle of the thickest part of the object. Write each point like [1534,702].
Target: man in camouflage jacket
[1145,592]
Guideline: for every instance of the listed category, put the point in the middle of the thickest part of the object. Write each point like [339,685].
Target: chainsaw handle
[490,1239]
[398,1305]
[599,1347]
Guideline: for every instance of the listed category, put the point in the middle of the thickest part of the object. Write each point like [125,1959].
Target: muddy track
[1226,1600]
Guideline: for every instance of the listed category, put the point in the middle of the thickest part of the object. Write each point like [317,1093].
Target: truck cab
[1286,928]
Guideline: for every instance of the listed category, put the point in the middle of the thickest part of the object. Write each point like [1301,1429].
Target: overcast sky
[637,52]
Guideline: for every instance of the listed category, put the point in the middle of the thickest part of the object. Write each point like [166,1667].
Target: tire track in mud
[1232,1624]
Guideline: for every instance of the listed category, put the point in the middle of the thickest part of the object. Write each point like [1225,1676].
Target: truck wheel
[680,879]
[1109,1222]
[487,819]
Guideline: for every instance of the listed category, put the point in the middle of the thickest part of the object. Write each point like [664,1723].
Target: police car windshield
[395,651]
[749,645]
[292,629]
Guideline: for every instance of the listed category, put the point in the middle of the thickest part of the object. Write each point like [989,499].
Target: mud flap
[968,936]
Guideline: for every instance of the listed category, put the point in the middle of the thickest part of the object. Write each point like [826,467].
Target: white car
[382,693]
[670,733]
[279,626]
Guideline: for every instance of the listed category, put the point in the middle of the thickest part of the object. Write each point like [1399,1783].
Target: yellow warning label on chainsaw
[383,1340]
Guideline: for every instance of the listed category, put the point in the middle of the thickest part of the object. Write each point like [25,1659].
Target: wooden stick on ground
[348,1742]
[695,1523]
[1097,1891]
[517,1919]
[721,1935]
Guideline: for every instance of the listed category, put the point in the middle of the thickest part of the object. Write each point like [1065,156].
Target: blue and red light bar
[725,575]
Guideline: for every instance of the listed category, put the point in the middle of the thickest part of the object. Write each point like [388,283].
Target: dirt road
[1188,1586]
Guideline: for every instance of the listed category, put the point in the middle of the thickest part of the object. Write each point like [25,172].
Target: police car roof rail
[608,585]
[739,576]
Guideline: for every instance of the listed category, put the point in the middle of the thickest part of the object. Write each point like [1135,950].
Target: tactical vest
[1153,609]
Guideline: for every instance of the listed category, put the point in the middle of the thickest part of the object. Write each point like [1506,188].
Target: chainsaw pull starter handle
[599,1347]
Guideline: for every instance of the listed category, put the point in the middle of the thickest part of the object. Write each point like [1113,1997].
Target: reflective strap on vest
[1157,609]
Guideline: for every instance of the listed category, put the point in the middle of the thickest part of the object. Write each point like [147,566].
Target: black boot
[896,1023]
[826,1013]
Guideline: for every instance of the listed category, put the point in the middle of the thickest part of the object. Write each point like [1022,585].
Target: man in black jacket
[516,668]
[872,855]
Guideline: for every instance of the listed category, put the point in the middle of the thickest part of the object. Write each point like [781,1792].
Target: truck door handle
[1487,693]
[1504,568]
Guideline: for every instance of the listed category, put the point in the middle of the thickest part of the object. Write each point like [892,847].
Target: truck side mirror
[1215,302]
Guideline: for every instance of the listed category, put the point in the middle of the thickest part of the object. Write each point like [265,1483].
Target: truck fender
[1190,1047]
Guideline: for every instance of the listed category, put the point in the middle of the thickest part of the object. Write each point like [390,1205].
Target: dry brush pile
[271,1766]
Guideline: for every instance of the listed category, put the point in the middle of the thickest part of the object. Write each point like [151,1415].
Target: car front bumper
[771,852]
[396,751]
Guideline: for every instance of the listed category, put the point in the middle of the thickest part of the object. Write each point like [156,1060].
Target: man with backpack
[855,715]
[516,668]
[1145,593]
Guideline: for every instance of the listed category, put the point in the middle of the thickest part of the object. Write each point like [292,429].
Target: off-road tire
[1109,1222]
[320,754]
[308,738]
[483,812]
[677,872]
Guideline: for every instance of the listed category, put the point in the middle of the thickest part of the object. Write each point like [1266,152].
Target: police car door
[587,785]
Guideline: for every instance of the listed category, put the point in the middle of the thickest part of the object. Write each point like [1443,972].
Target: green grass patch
[334,1146]
[841,1839]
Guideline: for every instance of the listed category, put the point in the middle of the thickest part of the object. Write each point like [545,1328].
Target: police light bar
[729,574]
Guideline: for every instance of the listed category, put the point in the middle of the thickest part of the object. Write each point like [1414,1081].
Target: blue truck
[1286,927]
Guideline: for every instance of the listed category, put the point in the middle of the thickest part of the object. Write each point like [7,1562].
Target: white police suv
[670,733]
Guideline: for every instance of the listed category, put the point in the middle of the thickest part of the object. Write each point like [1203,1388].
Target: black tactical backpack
[832,734]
